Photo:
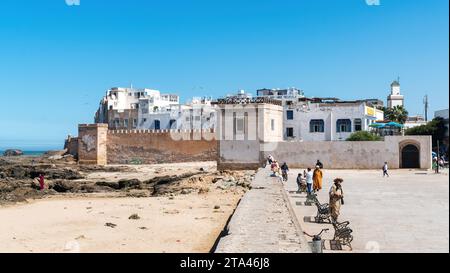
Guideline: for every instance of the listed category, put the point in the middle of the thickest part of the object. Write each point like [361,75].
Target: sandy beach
[185,224]
[184,214]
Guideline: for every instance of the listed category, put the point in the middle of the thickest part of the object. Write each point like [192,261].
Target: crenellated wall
[100,146]
[163,146]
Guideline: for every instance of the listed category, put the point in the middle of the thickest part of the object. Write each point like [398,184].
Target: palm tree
[397,114]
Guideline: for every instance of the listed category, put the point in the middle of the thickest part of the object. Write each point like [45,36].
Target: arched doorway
[410,157]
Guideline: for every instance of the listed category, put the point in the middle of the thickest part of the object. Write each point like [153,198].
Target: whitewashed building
[119,107]
[328,119]
[197,114]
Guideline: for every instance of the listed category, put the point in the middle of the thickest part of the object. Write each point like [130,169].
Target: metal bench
[323,211]
[343,234]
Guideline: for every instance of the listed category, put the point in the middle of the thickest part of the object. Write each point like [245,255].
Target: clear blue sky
[57,61]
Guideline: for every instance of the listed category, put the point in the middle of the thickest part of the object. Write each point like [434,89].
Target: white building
[119,107]
[395,98]
[197,114]
[327,119]
[414,121]
[287,96]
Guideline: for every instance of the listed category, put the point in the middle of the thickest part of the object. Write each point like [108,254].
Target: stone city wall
[333,154]
[162,146]
[350,154]
[99,146]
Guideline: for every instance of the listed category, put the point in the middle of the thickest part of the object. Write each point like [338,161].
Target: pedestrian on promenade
[385,169]
[270,159]
[336,198]
[41,181]
[319,164]
[284,171]
[317,178]
[309,181]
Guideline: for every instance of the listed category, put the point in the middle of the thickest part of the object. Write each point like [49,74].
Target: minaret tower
[395,98]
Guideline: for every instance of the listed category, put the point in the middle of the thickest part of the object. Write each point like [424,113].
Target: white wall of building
[195,116]
[329,114]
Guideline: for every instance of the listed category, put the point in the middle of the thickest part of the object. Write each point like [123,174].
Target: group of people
[311,182]
[277,170]
[439,162]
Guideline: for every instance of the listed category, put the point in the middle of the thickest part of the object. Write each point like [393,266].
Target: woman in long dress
[318,175]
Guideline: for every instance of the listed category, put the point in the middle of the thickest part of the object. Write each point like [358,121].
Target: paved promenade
[408,212]
[262,222]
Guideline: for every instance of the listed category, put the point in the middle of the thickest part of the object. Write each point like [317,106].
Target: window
[358,125]
[157,125]
[116,123]
[290,114]
[172,124]
[343,126]
[125,123]
[134,123]
[317,126]
[239,125]
[272,124]
[290,132]
[197,118]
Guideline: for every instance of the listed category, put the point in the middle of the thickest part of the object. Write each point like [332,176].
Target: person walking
[317,178]
[385,169]
[319,164]
[284,171]
[309,181]
[336,199]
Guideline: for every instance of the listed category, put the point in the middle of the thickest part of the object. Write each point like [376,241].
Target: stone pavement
[263,222]
[408,212]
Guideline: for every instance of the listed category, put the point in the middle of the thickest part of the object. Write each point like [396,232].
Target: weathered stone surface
[131,183]
[112,185]
[262,223]
[13,152]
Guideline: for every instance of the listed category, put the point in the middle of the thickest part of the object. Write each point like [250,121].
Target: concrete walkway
[408,212]
[263,222]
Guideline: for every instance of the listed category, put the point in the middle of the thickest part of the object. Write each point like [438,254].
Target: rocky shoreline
[18,181]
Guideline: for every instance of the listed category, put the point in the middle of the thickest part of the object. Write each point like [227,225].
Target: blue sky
[57,61]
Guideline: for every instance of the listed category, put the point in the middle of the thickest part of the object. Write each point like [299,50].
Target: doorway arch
[410,157]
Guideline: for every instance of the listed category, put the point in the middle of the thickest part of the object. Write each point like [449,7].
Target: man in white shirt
[385,170]
[309,180]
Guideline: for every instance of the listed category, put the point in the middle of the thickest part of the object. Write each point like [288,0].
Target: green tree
[435,128]
[397,114]
[363,136]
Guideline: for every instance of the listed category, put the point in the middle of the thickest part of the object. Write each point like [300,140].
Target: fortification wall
[333,154]
[71,145]
[163,146]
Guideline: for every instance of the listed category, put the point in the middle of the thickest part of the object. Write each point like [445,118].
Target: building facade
[327,119]
[198,114]
[119,108]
